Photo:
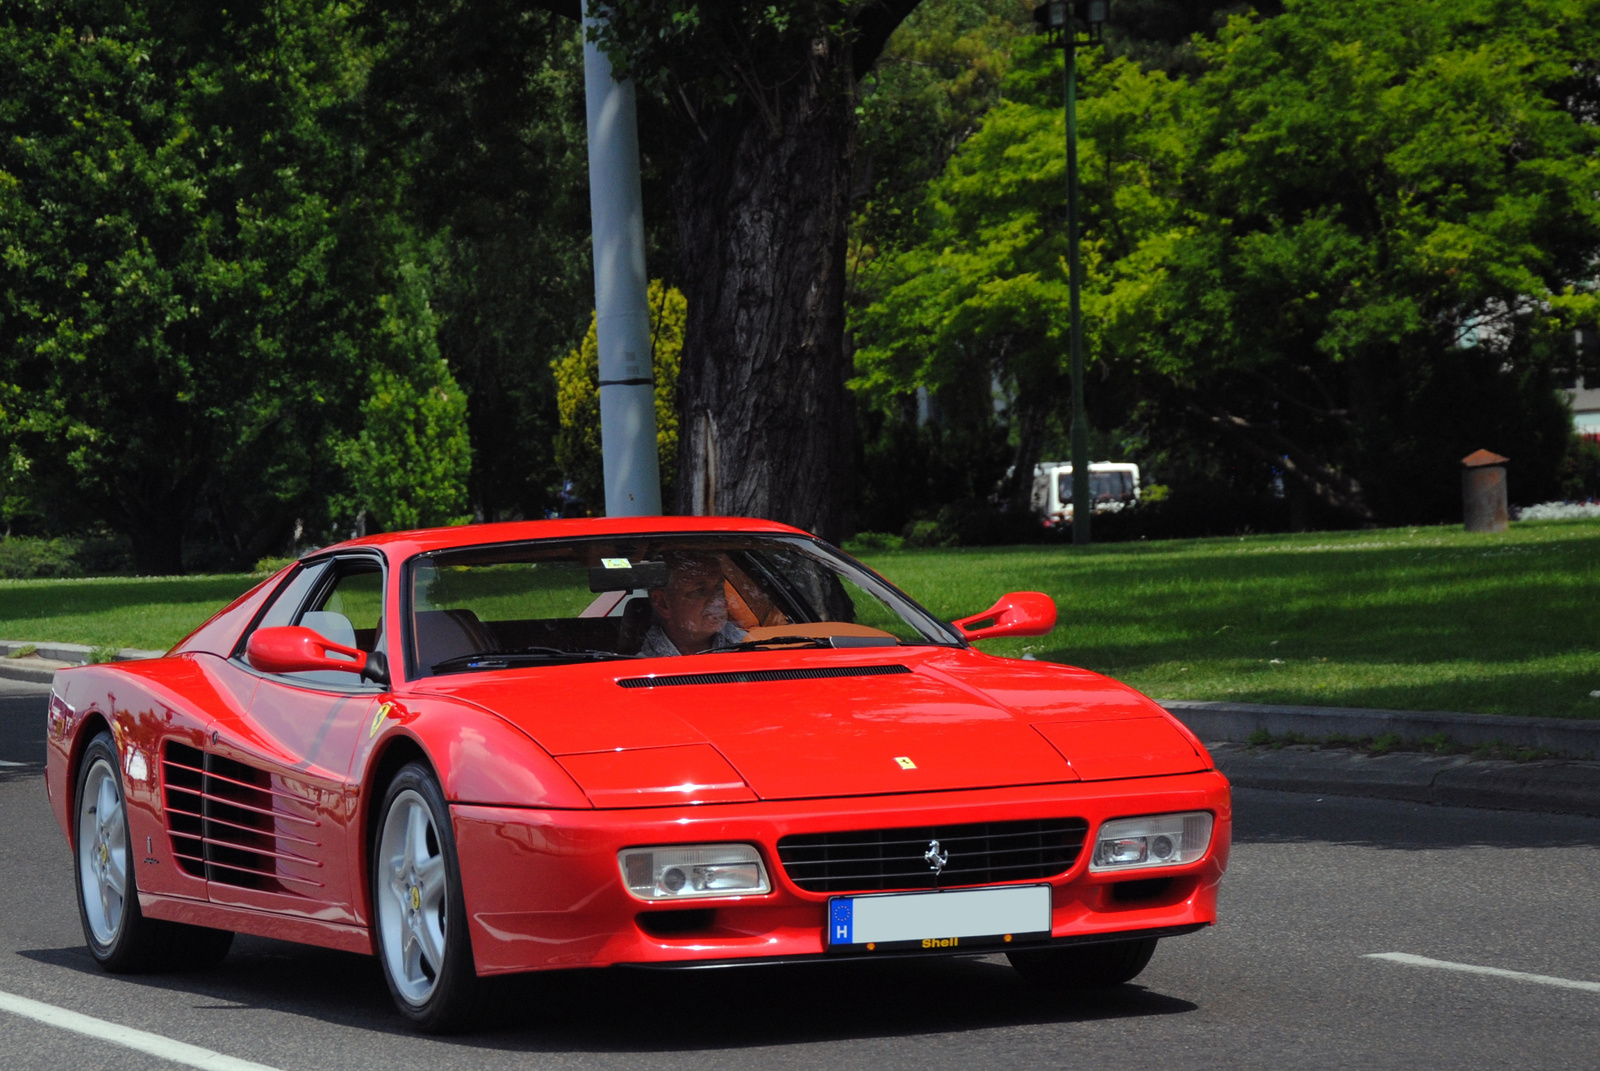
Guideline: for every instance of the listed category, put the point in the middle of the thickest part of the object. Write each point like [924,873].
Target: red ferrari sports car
[663,742]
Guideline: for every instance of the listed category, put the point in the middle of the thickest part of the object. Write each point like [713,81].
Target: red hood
[954,719]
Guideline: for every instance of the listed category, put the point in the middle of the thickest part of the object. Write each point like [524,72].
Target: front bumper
[543,889]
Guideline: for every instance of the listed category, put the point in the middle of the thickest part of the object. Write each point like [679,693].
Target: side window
[286,604]
[347,609]
[350,610]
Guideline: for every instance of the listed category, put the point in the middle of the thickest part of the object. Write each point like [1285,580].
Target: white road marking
[1497,972]
[177,1051]
[8,762]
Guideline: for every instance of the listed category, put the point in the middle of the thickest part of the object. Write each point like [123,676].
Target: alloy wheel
[412,906]
[102,852]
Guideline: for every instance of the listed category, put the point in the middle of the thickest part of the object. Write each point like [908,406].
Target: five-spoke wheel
[102,852]
[416,892]
[412,919]
[119,936]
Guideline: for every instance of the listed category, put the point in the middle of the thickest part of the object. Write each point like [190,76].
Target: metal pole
[621,292]
[1082,507]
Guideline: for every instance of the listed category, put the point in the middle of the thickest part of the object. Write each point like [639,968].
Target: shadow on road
[623,1010]
[1262,816]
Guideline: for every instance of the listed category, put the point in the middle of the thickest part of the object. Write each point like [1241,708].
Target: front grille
[979,854]
[227,824]
[755,676]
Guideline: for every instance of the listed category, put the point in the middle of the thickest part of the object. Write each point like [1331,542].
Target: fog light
[678,872]
[1156,840]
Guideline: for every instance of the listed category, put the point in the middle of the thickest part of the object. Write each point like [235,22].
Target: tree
[1350,251]
[483,102]
[199,267]
[981,298]
[762,99]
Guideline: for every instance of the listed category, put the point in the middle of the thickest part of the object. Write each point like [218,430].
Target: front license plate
[959,918]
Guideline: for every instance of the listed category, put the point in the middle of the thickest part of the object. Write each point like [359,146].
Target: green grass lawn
[1423,618]
[1419,619]
[150,612]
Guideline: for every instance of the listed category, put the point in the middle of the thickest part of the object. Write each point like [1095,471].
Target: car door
[293,806]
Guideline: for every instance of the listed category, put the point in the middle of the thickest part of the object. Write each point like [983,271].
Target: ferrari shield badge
[377,719]
[905,762]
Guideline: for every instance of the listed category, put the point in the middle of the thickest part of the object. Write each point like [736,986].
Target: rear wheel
[1097,966]
[119,937]
[417,905]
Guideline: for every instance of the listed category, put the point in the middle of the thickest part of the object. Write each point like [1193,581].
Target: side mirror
[1021,613]
[297,649]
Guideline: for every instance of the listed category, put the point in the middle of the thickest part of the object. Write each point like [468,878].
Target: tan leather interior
[807,629]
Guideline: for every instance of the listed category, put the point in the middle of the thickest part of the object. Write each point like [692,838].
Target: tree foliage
[482,101]
[1348,252]
[201,267]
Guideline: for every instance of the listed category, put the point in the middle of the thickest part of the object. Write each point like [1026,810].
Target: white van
[1113,486]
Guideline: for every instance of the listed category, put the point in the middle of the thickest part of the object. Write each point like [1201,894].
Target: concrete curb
[1551,785]
[1237,721]
[40,667]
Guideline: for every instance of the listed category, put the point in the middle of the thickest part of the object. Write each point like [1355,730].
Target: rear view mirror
[1021,613]
[297,649]
[624,577]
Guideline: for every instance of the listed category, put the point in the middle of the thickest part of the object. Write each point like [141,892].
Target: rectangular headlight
[684,871]
[1156,840]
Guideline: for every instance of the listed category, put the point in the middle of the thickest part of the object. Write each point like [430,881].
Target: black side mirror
[377,668]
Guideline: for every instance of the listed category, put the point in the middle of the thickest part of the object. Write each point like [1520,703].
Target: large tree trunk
[762,203]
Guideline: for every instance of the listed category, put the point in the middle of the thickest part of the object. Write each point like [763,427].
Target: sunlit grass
[149,612]
[1419,618]
[1422,618]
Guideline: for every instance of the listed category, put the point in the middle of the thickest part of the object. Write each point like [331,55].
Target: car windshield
[563,601]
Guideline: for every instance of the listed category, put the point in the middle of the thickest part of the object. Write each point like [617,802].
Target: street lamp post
[1064,21]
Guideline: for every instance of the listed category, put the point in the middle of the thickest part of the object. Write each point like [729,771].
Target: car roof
[399,545]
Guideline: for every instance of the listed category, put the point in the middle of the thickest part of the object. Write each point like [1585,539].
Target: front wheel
[119,937]
[1096,966]
[417,905]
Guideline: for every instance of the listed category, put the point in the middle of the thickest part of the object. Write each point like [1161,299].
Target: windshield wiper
[807,642]
[523,655]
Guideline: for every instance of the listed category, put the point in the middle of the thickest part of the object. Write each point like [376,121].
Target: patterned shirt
[657,645]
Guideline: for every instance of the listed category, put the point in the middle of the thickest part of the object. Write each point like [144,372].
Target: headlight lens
[684,871]
[1156,840]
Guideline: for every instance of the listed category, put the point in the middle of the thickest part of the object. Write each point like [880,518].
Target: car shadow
[660,1011]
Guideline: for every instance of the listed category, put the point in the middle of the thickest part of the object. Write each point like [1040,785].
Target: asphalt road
[1284,981]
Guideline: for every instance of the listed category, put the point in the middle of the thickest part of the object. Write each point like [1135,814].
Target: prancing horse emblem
[937,857]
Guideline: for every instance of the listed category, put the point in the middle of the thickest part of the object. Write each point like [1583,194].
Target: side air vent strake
[753,676]
[227,824]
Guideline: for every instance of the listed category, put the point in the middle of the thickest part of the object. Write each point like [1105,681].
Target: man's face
[693,605]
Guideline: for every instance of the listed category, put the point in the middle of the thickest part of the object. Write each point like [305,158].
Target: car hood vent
[753,676]
[228,825]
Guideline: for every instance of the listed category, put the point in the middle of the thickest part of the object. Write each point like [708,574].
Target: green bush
[25,558]
[926,534]
[866,541]
[268,566]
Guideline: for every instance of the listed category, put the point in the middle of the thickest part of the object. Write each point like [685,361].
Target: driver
[691,612]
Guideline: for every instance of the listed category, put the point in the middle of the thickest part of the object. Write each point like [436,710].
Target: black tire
[1096,966]
[131,943]
[437,1000]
